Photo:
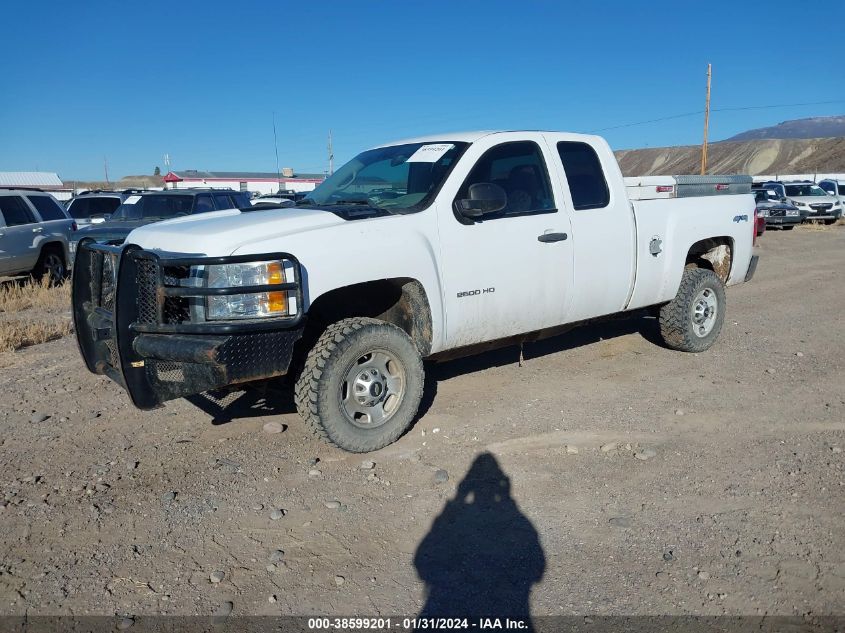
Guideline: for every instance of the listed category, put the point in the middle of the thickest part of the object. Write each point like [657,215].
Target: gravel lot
[607,475]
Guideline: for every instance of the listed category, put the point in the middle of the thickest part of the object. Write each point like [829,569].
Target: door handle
[552,237]
[37,230]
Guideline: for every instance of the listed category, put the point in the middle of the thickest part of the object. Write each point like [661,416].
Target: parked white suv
[812,201]
[34,234]
[835,187]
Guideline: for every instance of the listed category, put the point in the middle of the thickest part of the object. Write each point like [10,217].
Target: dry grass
[33,313]
[15,334]
[18,296]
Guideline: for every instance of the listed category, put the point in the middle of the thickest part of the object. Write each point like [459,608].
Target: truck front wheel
[691,322]
[361,385]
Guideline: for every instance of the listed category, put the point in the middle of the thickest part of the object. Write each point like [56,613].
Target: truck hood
[109,231]
[222,233]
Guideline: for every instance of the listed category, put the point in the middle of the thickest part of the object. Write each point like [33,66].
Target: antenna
[331,155]
[706,124]
[276,145]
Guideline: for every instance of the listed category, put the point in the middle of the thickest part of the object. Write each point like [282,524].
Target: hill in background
[775,156]
[814,127]
[127,182]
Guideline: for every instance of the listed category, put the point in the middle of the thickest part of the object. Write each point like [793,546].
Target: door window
[587,184]
[203,204]
[519,169]
[223,201]
[15,212]
[47,208]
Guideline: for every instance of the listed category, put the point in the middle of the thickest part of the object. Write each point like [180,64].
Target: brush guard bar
[136,322]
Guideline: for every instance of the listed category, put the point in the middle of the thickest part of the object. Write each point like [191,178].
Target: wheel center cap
[376,389]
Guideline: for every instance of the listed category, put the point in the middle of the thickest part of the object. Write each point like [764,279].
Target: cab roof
[467,137]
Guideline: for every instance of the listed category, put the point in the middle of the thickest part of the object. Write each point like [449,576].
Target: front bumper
[783,220]
[134,324]
[834,214]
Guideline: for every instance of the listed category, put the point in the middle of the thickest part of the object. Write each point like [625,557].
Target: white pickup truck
[411,250]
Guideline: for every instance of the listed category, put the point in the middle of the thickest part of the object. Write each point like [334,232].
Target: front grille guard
[123,293]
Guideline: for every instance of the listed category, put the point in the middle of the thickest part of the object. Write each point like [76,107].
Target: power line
[731,109]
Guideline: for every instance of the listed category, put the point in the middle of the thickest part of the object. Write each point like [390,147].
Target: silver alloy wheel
[54,267]
[373,389]
[705,306]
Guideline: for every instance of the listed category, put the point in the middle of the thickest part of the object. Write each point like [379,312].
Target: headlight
[798,204]
[253,305]
[835,205]
[792,212]
[763,213]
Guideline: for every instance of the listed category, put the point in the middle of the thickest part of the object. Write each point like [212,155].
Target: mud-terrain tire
[50,266]
[361,384]
[691,322]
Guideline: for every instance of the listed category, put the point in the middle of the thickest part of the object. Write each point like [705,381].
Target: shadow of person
[482,555]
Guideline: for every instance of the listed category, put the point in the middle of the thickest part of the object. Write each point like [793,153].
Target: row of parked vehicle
[38,236]
[785,204]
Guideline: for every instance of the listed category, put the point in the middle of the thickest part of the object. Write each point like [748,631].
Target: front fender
[361,251]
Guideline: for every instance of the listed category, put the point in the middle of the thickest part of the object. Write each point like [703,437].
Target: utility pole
[276,145]
[106,169]
[331,155]
[706,124]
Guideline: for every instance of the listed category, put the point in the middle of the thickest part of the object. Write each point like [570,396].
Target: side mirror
[483,199]
[784,199]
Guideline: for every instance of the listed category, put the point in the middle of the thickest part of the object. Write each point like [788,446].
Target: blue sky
[131,81]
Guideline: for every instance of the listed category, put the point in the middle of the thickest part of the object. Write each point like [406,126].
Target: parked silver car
[34,234]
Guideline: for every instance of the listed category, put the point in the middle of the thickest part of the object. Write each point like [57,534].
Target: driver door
[508,272]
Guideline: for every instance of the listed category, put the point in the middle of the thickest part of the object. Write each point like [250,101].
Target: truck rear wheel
[361,385]
[691,322]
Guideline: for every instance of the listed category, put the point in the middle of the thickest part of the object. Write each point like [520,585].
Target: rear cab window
[47,208]
[15,212]
[587,184]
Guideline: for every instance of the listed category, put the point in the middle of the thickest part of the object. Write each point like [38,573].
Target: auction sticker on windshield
[430,153]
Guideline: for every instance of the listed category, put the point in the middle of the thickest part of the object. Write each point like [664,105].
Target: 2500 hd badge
[472,293]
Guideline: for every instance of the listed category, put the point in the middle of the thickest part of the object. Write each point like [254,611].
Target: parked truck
[413,250]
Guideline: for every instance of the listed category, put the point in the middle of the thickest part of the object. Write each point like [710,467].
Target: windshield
[805,190]
[154,206]
[399,178]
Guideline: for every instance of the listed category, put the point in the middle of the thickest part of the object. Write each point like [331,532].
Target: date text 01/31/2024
[377,624]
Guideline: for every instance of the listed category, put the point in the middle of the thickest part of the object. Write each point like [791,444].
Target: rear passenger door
[18,234]
[53,217]
[603,230]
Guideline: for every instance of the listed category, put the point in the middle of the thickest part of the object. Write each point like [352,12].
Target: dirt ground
[607,475]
